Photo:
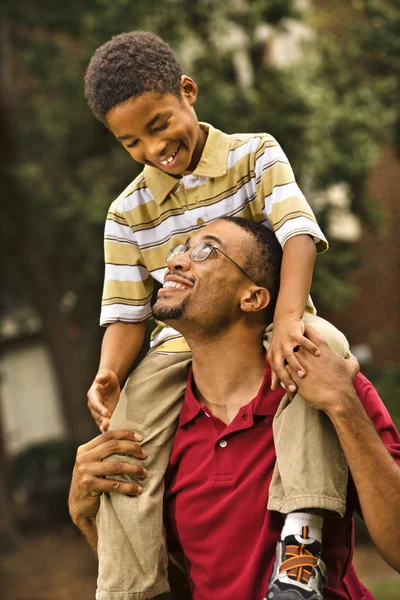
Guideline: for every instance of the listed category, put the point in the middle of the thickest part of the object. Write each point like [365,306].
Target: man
[219,292]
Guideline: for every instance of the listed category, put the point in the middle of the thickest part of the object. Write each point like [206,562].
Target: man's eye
[132,144]
[163,126]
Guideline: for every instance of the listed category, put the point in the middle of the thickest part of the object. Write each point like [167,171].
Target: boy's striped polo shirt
[242,175]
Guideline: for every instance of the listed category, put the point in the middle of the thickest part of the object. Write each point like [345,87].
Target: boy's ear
[188,89]
[255,299]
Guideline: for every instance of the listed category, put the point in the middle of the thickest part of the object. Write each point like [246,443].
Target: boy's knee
[333,337]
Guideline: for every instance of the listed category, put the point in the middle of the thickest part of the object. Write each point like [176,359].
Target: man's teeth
[174,284]
[170,159]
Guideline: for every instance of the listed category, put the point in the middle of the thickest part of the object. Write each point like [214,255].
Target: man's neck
[228,371]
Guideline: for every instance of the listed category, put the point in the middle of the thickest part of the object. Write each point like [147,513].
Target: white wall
[29,399]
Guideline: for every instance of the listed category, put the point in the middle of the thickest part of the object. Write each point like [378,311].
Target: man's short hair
[262,256]
[127,66]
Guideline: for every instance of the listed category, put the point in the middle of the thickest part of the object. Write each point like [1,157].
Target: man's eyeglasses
[201,252]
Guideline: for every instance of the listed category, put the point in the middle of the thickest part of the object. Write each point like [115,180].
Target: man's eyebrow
[210,237]
[123,138]
[216,239]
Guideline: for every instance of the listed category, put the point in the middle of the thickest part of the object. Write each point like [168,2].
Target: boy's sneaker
[299,572]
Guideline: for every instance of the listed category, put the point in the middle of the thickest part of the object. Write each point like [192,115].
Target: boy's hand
[287,336]
[103,397]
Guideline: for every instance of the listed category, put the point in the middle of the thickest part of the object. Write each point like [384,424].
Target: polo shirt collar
[213,163]
[265,403]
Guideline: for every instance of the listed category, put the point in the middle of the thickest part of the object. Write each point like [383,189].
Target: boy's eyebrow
[123,138]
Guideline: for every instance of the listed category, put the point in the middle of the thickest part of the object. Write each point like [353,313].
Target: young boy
[194,174]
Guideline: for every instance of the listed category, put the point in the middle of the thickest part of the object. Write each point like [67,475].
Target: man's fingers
[115,446]
[96,485]
[115,467]
[118,434]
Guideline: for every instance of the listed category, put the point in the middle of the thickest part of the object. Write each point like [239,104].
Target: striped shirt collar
[213,163]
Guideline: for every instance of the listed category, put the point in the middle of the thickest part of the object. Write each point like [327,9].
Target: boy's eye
[163,126]
[132,144]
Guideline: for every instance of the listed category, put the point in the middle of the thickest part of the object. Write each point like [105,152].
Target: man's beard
[170,313]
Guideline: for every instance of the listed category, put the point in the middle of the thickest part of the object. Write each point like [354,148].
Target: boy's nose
[155,150]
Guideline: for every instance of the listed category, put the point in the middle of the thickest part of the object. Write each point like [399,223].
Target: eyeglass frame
[171,254]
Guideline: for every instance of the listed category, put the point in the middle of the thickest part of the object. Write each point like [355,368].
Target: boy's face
[161,130]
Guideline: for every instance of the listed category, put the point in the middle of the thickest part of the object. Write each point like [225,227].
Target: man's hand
[103,397]
[287,337]
[92,476]
[328,381]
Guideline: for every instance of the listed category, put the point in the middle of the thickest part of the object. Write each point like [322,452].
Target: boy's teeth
[170,159]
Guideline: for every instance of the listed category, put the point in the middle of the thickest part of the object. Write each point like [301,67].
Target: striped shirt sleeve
[281,199]
[128,285]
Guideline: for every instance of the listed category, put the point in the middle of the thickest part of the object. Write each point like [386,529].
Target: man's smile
[176,283]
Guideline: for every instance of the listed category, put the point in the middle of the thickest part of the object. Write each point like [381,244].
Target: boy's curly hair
[128,65]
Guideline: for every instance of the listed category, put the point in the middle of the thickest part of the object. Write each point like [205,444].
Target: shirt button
[200,222]
[223,443]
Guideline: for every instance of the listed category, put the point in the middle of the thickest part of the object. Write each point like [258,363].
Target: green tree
[330,111]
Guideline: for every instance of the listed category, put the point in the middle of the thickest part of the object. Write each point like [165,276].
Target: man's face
[160,130]
[207,292]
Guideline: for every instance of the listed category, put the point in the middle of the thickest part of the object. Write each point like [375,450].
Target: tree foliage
[331,111]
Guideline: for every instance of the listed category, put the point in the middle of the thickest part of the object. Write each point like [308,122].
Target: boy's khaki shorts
[132,549]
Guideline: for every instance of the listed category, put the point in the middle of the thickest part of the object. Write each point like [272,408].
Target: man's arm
[327,386]
[92,476]
[121,345]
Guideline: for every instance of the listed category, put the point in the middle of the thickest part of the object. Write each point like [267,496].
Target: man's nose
[180,262]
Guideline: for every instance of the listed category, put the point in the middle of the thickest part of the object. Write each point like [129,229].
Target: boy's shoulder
[138,184]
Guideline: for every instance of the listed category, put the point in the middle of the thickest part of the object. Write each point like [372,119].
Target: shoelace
[300,562]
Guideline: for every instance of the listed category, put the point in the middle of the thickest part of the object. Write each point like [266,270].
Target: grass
[385,589]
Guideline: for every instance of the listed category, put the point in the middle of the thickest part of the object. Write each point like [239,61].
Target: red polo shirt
[217,492]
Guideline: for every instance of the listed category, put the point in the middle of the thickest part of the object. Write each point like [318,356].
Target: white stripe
[159,274]
[187,222]
[192,181]
[299,226]
[282,193]
[120,312]
[269,157]
[138,198]
[128,273]
[241,151]
[118,232]
[164,333]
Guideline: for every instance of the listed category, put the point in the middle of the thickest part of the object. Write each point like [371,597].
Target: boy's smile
[161,130]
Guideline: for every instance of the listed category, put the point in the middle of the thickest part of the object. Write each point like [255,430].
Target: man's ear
[255,299]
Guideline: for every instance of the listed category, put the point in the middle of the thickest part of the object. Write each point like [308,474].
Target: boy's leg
[132,552]
[309,482]
[311,470]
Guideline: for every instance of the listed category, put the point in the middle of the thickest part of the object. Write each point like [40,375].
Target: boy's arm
[298,260]
[121,345]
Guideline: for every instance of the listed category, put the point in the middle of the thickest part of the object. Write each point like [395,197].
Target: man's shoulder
[137,187]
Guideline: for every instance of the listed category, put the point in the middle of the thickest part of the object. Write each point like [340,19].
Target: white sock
[296,520]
